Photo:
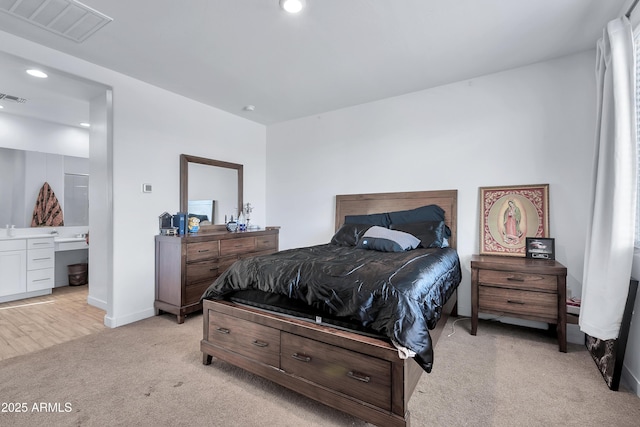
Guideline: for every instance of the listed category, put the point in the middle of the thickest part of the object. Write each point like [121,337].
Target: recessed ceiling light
[1,107]
[37,73]
[85,125]
[249,107]
[292,6]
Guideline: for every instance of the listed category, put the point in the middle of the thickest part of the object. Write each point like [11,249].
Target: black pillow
[421,214]
[432,234]
[349,234]
[380,219]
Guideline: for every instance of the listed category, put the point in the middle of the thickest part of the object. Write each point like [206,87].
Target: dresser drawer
[194,292]
[40,258]
[266,242]
[225,263]
[516,280]
[202,250]
[358,375]
[541,306]
[257,342]
[237,246]
[202,271]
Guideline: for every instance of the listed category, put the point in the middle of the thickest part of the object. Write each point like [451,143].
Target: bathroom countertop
[27,236]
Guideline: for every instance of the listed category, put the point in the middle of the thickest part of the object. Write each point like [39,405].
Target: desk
[68,251]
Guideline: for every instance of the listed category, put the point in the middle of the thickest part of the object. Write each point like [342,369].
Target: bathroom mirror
[210,189]
[22,175]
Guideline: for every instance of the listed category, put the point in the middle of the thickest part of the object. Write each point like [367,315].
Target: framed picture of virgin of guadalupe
[508,215]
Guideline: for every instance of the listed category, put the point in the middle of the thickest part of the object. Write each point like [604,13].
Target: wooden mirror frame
[185,159]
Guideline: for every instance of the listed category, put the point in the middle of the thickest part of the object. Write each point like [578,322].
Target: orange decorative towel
[47,211]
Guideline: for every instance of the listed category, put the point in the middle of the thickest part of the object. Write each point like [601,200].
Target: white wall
[151,127]
[530,125]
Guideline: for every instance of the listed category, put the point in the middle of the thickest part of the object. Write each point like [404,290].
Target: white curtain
[610,236]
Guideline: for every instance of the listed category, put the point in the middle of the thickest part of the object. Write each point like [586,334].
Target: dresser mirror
[210,189]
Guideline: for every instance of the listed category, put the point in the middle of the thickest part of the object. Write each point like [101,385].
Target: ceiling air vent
[5,97]
[67,18]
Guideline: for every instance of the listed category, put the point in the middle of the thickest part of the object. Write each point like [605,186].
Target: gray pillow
[382,239]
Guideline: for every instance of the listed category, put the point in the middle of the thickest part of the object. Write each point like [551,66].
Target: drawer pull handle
[358,376]
[203,250]
[223,330]
[510,301]
[41,259]
[301,357]
[515,279]
[42,280]
[260,343]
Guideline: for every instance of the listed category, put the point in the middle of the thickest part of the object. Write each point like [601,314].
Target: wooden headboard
[363,204]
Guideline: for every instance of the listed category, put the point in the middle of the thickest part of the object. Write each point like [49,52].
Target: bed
[322,347]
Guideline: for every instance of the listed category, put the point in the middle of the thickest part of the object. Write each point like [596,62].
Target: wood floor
[32,324]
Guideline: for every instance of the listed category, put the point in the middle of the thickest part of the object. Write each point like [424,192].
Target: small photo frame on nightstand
[540,248]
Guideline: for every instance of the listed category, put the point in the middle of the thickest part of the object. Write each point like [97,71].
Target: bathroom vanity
[26,267]
[32,265]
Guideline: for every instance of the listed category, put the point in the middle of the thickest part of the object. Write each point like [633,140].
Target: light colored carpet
[151,374]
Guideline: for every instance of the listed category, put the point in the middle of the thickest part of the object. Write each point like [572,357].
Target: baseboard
[630,381]
[574,334]
[102,305]
[114,322]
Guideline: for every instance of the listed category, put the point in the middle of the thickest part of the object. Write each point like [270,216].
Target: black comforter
[399,295]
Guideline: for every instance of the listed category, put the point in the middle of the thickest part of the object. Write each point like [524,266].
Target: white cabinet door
[13,272]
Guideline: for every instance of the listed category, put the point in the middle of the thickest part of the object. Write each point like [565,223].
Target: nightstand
[523,288]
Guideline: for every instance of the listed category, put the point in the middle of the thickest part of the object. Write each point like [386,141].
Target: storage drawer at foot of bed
[257,342]
[363,377]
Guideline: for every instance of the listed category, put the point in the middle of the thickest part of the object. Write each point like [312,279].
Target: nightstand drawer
[542,306]
[515,280]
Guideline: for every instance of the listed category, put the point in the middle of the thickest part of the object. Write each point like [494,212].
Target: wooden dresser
[522,288]
[187,265]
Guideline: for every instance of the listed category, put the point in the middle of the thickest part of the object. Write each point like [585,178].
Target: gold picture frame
[510,214]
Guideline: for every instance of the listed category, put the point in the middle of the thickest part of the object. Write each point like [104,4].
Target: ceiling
[334,54]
